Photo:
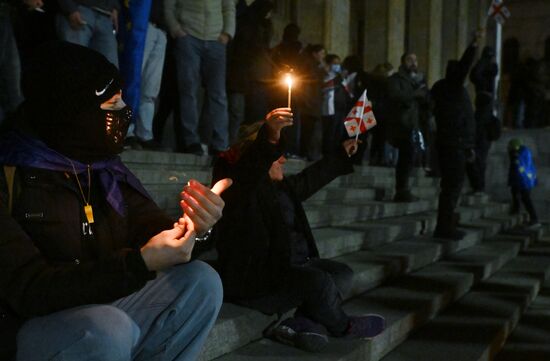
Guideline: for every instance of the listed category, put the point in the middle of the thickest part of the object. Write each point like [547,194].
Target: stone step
[406,303]
[371,268]
[529,341]
[150,174]
[477,325]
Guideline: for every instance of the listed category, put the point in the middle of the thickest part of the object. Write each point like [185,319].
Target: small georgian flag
[360,118]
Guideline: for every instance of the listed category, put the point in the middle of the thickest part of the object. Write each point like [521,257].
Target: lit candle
[288,80]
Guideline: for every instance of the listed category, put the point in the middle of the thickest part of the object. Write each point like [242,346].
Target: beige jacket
[203,19]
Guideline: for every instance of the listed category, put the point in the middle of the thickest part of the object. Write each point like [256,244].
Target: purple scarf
[20,150]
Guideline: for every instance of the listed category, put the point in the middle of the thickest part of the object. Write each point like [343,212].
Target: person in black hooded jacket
[454,116]
[89,262]
[268,259]
[483,76]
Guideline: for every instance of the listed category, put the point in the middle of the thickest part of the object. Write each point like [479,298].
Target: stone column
[396,31]
[384,32]
[424,36]
[310,15]
[337,27]
[463,34]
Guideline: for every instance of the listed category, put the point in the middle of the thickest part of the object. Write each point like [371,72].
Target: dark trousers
[404,164]
[316,288]
[476,169]
[525,197]
[452,164]
[331,134]
[307,147]
[377,147]
[168,99]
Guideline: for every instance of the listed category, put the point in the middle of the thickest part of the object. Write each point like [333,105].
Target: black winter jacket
[453,111]
[251,238]
[48,259]
[403,109]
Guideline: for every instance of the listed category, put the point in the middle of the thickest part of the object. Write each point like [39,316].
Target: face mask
[336,68]
[116,126]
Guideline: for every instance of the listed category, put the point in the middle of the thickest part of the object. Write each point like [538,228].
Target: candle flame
[288,80]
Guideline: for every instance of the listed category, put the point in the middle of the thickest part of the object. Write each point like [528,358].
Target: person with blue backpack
[522,178]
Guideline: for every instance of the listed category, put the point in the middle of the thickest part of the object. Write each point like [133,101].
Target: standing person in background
[286,57]
[332,83]
[454,116]
[249,66]
[140,135]
[34,24]
[310,98]
[90,23]
[201,29]
[405,94]
[287,53]
[378,95]
[483,76]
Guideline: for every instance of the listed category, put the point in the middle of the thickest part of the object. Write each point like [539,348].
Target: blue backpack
[523,173]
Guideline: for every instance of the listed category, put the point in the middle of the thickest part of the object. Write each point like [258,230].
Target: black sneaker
[367,326]
[405,197]
[302,333]
[533,225]
[455,235]
[132,143]
[195,149]
[151,145]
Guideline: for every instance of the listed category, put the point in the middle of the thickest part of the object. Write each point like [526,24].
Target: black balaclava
[64,86]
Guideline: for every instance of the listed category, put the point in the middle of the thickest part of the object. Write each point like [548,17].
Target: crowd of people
[93,269]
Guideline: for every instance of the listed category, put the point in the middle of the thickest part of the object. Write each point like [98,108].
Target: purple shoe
[301,333]
[367,326]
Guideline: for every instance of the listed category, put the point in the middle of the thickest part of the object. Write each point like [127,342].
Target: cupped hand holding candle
[275,121]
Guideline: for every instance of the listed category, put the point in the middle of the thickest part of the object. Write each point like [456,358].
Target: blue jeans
[10,67]
[168,319]
[96,34]
[151,76]
[201,62]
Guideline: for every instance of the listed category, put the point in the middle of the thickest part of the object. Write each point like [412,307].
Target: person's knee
[115,333]
[103,331]
[207,284]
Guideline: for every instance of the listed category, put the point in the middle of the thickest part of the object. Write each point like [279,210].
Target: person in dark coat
[405,96]
[249,65]
[483,76]
[268,259]
[454,116]
[309,98]
[89,262]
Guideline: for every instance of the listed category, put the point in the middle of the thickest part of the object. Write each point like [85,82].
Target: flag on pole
[360,118]
[498,11]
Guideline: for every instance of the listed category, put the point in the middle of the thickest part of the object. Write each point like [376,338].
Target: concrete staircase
[440,298]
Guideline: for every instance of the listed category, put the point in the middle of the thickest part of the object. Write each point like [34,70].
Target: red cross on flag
[360,118]
[498,11]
